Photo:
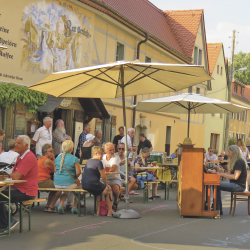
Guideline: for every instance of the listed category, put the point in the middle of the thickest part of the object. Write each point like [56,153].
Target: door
[168,139]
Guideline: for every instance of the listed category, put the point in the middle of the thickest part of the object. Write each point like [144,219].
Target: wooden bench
[78,191]
[234,198]
[25,206]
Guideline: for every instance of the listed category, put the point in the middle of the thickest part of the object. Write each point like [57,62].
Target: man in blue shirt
[82,138]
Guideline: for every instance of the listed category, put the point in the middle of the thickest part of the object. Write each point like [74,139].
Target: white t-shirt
[129,141]
[9,157]
[41,137]
[113,161]
[212,157]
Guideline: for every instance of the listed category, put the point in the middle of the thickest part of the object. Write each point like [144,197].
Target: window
[200,57]
[237,136]
[218,69]
[190,89]
[119,52]
[214,141]
[239,116]
[243,137]
[212,114]
[221,115]
[231,134]
[241,91]
[147,59]
[221,69]
[195,55]
[198,90]
[235,88]
[244,118]
[232,115]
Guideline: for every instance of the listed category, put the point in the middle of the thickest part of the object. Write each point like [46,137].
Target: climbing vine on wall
[11,93]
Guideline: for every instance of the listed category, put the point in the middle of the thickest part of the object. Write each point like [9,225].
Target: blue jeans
[230,187]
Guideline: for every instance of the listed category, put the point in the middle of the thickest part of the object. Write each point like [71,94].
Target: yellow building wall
[215,124]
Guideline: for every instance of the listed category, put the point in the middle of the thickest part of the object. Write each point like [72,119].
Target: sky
[221,18]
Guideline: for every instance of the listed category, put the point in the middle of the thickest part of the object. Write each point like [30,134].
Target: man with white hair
[42,136]
[26,168]
[10,156]
[59,136]
[130,135]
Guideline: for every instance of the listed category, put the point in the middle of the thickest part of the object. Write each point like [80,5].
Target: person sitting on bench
[26,168]
[46,166]
[67,170]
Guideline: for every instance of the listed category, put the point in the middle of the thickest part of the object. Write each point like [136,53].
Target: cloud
[224,30]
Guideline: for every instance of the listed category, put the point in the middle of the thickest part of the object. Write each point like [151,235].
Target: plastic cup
[107,169]
[154,164]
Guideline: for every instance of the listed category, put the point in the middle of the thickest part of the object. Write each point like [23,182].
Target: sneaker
[218,214]
[3,231]
[13,224]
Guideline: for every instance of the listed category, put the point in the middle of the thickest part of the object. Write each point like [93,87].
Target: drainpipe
[137,57]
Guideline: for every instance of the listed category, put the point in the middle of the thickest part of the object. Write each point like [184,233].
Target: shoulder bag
[77,181]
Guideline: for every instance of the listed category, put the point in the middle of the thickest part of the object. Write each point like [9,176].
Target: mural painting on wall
[52,35]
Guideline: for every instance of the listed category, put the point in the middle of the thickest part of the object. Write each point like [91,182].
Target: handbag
[104,206]
[77,181]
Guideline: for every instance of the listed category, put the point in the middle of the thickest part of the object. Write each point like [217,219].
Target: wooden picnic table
[110,173]
[4,185]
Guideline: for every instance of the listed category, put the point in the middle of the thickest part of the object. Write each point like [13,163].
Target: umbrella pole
[125,213]
[188,119]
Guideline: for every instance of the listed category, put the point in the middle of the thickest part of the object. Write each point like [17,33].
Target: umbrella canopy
[189,103]
[2,47]
[122,79]
[106,81]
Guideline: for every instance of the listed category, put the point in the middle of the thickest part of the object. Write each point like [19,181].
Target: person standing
[10,156]
[26,168]
[144,142]
[131,148]
[2,134]
[118,138]
[42,136]
[58,137]
[98,137]
[82,138]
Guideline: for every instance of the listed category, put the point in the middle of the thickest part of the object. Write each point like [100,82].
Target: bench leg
[95,204]
[21,217]
[84,200]
[38,196]
[231,204]
[79,204]
[248,205]
[29,212]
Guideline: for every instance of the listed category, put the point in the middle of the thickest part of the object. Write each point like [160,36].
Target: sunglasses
[211,151]
[121,148]
[50,151]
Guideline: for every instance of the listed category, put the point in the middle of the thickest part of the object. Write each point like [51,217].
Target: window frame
[116,56]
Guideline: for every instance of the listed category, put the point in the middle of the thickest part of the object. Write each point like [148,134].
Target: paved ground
[160,227]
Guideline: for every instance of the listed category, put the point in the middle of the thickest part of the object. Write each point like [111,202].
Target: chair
[234,198]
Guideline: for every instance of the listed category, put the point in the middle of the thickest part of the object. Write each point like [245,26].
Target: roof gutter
[137,57]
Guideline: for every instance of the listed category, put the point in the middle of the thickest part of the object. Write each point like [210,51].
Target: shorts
[46,184]
[96,190]
[112,182]
[72,186]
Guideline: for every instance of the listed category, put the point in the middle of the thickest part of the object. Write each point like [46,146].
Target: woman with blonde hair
[67,170]
[237,174]
[241,144]
[93,171]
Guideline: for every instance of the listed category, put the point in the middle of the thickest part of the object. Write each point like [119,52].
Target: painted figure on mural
[52,37]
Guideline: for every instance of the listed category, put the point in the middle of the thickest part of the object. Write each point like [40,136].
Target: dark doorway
[168,139]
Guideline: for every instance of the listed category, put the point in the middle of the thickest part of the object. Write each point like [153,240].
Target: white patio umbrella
[189,103]
[122,79]
[2,47]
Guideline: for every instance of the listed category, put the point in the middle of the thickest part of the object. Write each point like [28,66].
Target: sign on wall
[43,37]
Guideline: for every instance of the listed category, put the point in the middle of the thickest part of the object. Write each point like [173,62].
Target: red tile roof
[162,27]
[213,51]
[185,24]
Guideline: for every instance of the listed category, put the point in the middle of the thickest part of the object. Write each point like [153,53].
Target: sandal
[52,210]
[157,196]
[114,207]
[46,209]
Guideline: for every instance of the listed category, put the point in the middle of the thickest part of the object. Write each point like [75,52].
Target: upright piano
[194,185]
